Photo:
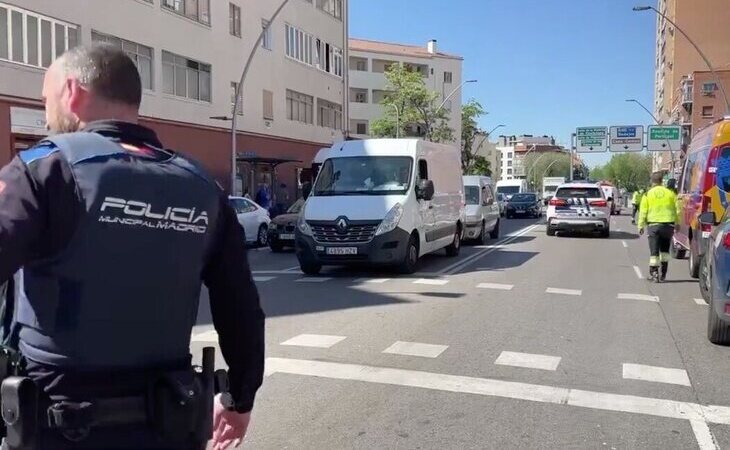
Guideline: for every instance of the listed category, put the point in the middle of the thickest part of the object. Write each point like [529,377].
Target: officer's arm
[237,314]
[643,211]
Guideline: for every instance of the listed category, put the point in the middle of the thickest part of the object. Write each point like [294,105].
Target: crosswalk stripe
[498,286]
[528,360]
[374,280]
[313,280]
[313,340]
[262,279]
[655,374]
[416,349]
[564,291]
[646,298]
[431,282]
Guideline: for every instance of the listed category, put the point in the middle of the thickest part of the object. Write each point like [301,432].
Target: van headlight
[391,220]
[302,224]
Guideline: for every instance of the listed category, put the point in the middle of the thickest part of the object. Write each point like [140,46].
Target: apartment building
[483,147]
[190,55]
[368,61]
[676,62]
[515,148]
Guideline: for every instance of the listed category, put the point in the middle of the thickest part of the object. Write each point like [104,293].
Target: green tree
[598,173]
[629,171]
[472,138]
[409,105]
[554,164]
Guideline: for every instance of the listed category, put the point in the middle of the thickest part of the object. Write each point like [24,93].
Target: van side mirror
[425,190]
[609,199]
[708,218]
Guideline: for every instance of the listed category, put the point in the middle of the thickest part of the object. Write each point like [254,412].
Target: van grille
[357,232]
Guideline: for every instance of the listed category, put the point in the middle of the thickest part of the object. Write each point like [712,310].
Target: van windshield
[364,175]
[508,190]
[471,193]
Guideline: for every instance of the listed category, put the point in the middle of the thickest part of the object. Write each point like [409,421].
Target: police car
[579,207]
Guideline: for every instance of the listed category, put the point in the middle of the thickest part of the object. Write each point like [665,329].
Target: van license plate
[342,250]
[286,237]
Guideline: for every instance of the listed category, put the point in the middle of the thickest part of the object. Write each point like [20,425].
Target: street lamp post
[239,89]
[446,99]
[486,136]
[397,120]
[656,121]
[707,61]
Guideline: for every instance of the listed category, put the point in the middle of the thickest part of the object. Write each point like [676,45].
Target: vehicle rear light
[727,309]
[706,227]
[599,203]
[726,240]
[558,202]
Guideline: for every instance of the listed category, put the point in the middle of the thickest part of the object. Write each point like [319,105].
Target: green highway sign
[664,138]
[591,139]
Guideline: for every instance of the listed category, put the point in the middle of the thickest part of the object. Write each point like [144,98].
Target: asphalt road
[529,342]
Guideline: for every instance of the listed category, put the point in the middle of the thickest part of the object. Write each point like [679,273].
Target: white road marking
[416,349]
[646,298]
[701,301]
[563,291]
[453,268]
[206,336]
[705,439]
[528,360]
[638,272]
[262,279]
[624,244]
[501,287]
[655,374]
[276,272]
[313,280]
[292,269]
[374,280]
[313,340]
[431,282]
[695,413]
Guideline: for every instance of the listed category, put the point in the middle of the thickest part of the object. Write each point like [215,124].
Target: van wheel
[455,247]
[717,331]
[410,262]
[550,230]
[494,234]
[310,268]
[694,265]
[705,281]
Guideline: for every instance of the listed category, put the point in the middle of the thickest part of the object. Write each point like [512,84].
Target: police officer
[658,213]
[636,202]
[110,237]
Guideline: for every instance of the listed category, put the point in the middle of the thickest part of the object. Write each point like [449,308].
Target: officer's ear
[78,95]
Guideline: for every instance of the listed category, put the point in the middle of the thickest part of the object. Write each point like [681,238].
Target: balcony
[687,88]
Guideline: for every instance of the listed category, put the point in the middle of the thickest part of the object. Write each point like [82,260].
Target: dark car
[282,228]
[714,271]
[527,205]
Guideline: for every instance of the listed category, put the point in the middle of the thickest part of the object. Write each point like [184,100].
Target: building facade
[190,55]
[514,149]
[676,60]
[483,147]
[368,62]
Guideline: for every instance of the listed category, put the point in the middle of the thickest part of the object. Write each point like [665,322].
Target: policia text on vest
[658,215]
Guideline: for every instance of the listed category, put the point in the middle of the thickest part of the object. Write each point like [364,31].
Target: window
[266,41]
[184,77]
[359,64]
[708,111]
[509,163]
[140,54]
[509,155]
[197,10]
[268,99]
[298,44]
[299,107]
[312,51]
[709,87]
[329,115]
[509,171]
[234,19]
[448,77]
[239,105]
[22,31]
[359,95]
[331,7]
[422,169]
[362,128]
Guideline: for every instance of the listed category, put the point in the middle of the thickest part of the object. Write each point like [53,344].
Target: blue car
[715,277]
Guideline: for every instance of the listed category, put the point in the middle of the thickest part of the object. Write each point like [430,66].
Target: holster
[19,412]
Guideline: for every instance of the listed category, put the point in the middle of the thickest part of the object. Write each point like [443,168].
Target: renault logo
[342,224]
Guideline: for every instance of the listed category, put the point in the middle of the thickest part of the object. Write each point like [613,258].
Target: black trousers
[660,240]
[636,209]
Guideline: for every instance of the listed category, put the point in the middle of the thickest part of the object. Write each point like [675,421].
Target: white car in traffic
[254,219]
[579,206]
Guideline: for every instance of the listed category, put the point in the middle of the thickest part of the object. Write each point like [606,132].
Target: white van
[510,187]
[613,197]
[382,201]
[481,209]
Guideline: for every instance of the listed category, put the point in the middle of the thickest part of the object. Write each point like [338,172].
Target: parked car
[714,274]
[283,227]
[579,206]
[253,218]
[482,210]
[705,179]
[524,205]
[502,201]
[382,202]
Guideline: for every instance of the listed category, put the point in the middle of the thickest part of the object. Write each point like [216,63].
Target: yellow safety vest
[636,198]
[659,205]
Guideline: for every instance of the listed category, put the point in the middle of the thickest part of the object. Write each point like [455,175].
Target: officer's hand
[229,427]
[641,231]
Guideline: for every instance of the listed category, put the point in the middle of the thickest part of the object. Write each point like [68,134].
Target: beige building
[190,55]
[368,61]
[706,22]
[514,149]
[483,147]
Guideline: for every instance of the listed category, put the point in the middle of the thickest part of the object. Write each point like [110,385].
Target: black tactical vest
[125,291]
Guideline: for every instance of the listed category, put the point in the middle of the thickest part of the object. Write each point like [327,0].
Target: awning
[268,161]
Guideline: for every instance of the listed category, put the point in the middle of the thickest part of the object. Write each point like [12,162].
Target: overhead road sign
[591,139]
[628,138]
[664,138]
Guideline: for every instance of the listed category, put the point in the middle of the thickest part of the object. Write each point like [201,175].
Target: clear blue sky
[544,66]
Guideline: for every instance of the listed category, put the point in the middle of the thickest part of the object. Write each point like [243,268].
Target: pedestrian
[658,215]
[636,203]
[672,185]
[110,237]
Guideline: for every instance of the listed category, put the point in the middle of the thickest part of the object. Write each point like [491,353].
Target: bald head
[88,83]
